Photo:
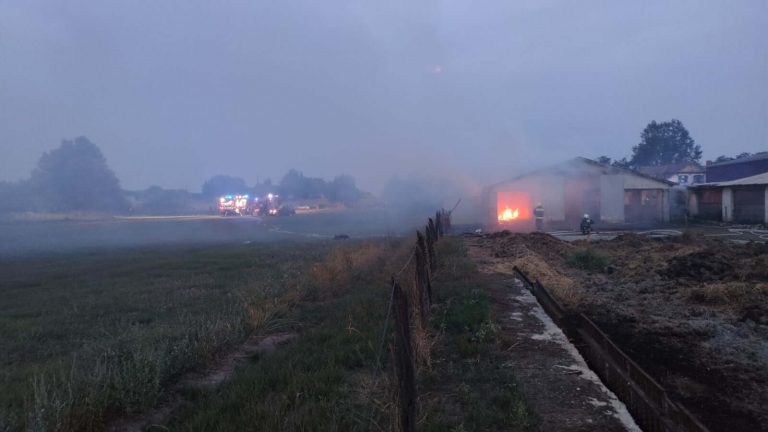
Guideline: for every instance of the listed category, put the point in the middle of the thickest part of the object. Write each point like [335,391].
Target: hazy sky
[176,91]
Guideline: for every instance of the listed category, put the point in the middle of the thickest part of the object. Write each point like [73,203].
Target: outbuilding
[567,191]
[738,168]
[742,200]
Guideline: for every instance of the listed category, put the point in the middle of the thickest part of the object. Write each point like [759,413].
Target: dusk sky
[174,92]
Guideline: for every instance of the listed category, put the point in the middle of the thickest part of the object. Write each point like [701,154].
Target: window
[682,179]
[698,178]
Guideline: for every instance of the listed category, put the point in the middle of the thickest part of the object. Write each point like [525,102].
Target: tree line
[76,177]
[293,185]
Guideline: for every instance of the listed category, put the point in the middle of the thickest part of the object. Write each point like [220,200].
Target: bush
[587,259]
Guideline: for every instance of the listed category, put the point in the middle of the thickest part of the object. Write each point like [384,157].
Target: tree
[156,200]
[295,185]
[75,176]
[292,184]
[344,190]
[664,143]
[219,185]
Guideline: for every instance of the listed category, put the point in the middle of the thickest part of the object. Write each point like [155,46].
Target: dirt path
[216,374]
[562,390]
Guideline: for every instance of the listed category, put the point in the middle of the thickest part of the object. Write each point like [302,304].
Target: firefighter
[586,225]
[538,213]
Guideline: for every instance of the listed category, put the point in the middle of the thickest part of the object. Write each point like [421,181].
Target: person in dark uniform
[586,225]
[538,214]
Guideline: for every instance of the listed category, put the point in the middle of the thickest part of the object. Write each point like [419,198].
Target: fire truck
[234,205]
[268,206]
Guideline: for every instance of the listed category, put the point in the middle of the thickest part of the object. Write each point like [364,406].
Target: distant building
[683,173]
[737,168]
[742,200]
[610,195]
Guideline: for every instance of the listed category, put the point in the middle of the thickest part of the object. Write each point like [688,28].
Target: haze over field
[174,92]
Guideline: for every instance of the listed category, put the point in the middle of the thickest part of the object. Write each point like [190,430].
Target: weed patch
[587,259]
[468,387]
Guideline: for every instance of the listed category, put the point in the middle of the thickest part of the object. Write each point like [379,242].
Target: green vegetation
[89,336]
[588,259]
[325,380]
[468,372]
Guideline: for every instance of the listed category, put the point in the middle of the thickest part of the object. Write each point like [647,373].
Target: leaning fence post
[423,284]
[431,237]
[431,227]
[406,375]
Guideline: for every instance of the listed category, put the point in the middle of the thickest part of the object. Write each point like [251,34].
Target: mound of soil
[717,263]
[505,244]
[702,266]
[632,240]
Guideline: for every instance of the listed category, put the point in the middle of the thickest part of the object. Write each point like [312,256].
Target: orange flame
[508,214]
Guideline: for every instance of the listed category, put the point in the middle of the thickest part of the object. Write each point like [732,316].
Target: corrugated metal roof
[569,164]
[664,171]
[760,179]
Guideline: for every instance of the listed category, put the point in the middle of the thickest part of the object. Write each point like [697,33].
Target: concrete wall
[727,205]
[612,198]
[693,203]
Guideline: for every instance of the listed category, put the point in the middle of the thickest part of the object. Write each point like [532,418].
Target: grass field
[89,337]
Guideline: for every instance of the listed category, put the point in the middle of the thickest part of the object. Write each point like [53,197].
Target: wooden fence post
[406,366]
[431,227]
[430,243]
[423,283]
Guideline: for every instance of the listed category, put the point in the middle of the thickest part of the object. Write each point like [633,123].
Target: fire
[508,214]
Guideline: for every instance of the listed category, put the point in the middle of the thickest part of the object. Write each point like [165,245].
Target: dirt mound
[506,244]
[702,266]
[632,240]
[717,263]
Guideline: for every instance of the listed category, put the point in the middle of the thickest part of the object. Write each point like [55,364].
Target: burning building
[567,191]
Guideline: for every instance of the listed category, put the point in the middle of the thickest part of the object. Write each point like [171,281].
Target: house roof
[571,164]
[664,171]
[760,179]
[755,157]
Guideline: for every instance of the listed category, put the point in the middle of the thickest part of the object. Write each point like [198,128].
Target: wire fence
[409,303]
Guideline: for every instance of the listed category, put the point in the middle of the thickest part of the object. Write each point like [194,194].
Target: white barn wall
[727,205]
[612,198]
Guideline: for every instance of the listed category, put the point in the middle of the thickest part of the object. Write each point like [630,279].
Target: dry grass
[556,283]
[335,273]
[734,294]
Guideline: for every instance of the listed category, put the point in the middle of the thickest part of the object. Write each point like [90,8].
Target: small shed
[610,195]
[742,200]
